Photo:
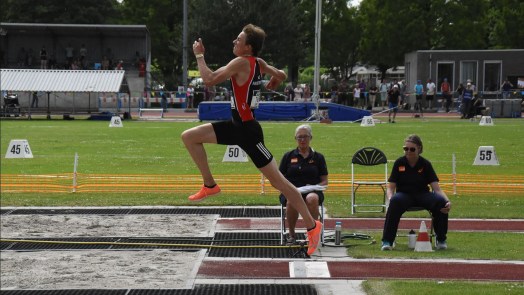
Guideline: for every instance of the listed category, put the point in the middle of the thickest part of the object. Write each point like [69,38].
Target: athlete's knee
[186,136]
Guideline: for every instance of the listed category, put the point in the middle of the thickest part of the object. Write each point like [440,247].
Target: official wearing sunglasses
[303,166]
[409,186]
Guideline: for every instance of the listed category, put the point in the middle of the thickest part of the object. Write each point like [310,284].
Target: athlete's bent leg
[194,140]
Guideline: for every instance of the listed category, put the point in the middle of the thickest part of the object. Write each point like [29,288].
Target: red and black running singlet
[246,96]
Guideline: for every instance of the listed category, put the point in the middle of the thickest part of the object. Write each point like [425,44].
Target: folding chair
[283,223]
[366,157]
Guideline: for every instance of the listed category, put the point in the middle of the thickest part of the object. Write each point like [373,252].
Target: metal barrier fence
[234,184]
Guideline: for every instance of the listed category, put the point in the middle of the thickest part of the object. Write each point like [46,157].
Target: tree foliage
[60,11]
[218,23]
[340,38]
[163,19]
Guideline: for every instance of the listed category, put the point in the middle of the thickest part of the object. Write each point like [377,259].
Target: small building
[487,69]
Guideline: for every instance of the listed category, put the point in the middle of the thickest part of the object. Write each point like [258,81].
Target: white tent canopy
[60,80]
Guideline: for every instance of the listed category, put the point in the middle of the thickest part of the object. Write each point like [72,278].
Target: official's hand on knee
[446,208]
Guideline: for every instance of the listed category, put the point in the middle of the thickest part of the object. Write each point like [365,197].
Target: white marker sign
[486,156]
[234,154]
[18,148]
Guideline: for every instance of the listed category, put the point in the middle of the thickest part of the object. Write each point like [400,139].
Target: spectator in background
[356,95]
[506,89]
[299,93]
[393,102]
[83,56]
[467,100]
[303,166]
[34,101]
[334,93]
[445,88]
[75,65]
[120,65]
[43,58]
[419,94]
[69,52]
[383,88]
[402,89]
[105,63]
[431,89]
[362,99]
[408,186]
[473,86]
[190,94]
[343,95]
[51,63]
[110,57]
[290,94]
[163,100]
[373,90]
[307,92]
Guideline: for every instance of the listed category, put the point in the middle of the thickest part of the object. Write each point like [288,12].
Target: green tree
[505,22]
[60,11]
[341,35]
[163,19]
[391,28]
[219,22]
[459,24]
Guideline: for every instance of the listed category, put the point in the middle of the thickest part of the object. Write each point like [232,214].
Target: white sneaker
[441,245]
[386,246]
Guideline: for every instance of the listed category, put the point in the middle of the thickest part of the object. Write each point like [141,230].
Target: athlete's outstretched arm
[277,76]
[211,78]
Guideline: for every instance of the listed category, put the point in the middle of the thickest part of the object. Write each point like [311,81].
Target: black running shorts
[248,135]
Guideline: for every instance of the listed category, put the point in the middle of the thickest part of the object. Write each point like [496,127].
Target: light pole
[316,77]
[184,47]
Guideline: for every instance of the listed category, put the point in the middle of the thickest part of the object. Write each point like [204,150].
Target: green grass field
[155,148]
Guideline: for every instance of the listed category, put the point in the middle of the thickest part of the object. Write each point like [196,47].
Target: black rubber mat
[65,292]
[264,245]
[101,244]
[269,245]
[223,212]
[222,289]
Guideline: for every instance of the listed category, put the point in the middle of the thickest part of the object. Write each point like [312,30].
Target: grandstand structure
[92,49]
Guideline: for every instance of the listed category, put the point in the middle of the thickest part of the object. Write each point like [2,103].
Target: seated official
[303,166]
[408,186]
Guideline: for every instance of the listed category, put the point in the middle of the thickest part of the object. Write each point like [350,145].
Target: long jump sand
[101,269]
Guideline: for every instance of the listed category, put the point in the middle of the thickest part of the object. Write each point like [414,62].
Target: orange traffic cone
[423,243]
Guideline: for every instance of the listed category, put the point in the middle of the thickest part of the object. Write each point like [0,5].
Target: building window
[445,70]
[492,75]
[468,71]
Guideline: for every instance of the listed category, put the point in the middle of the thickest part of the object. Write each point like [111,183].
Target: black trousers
[400,202]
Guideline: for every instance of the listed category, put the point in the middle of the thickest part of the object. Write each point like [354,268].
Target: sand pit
[102,269]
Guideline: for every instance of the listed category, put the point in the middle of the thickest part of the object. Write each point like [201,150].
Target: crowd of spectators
[75,59]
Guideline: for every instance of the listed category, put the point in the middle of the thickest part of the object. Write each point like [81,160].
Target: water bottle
[338,232]
[412,239]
